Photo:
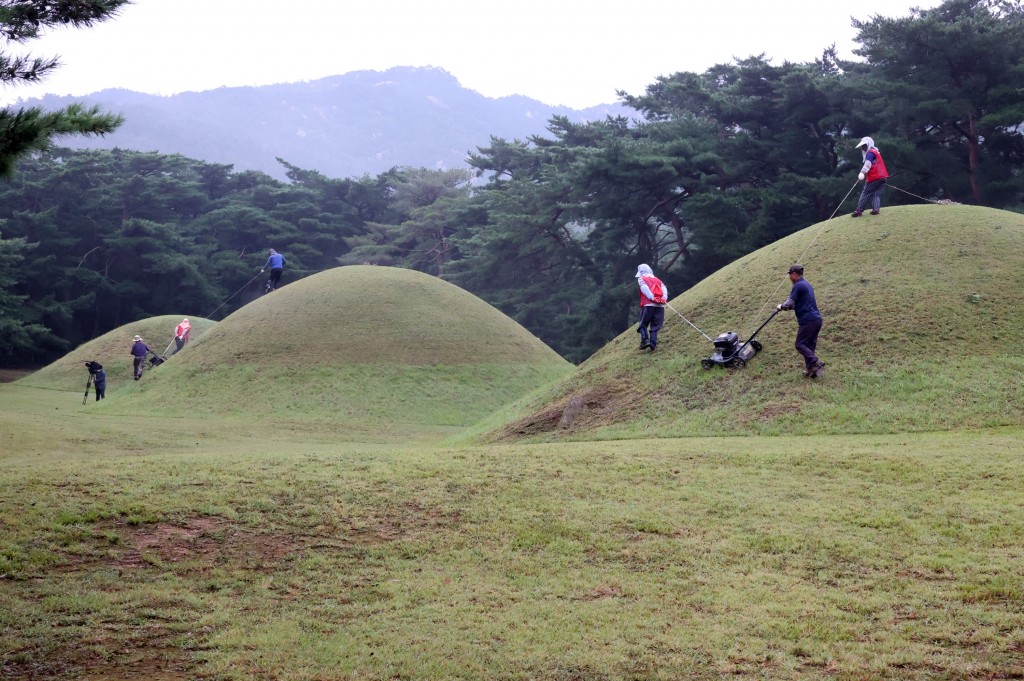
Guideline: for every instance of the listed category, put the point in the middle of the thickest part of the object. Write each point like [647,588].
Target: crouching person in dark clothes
[801,300]
[99,379]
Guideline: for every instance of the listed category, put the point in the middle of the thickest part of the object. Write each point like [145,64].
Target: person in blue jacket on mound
[275,263]
[801,300]
[139,353]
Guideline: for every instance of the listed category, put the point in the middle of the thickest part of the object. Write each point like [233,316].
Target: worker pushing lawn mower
[801,300]
[732,351]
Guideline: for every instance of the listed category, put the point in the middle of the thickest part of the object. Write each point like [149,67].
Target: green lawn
[149,547]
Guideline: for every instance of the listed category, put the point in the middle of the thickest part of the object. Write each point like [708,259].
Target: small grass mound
[366,345]
[924,321]
[112,351]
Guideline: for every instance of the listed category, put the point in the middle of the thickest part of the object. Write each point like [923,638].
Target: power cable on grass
[774,293]
[210,316]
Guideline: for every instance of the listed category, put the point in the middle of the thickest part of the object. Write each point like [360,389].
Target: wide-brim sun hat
[137,338]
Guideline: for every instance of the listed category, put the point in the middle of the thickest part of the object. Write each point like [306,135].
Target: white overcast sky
[570,52]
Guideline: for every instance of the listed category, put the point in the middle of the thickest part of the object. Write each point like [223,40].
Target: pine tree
[25,130]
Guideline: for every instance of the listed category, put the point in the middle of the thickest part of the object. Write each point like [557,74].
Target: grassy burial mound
[924,325]
[112,351]
[368,345]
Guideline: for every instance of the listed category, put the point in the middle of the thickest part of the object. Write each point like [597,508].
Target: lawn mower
[730,351]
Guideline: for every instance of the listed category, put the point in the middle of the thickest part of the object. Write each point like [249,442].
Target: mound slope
[372,345]
[112,351]
[924,318]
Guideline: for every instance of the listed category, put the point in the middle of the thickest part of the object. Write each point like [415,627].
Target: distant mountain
[363,122]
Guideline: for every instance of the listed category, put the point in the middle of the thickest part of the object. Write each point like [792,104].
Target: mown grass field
[923,312]
[143,546]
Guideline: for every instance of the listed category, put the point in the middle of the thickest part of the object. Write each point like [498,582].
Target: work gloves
[778,307]
[860,176]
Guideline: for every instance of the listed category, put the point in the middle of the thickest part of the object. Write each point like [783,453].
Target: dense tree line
[715,165]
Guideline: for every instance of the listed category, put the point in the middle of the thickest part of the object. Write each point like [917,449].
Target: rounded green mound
[112,351]
[368,345]
[924,320]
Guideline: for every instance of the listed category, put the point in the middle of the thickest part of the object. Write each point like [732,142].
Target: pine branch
[20,20]
[25,69]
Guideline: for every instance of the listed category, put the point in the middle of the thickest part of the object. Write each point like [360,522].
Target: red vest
[657,288]
[877,170]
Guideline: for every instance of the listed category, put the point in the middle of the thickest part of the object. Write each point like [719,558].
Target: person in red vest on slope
[874,174]
[653,297]
[181,333]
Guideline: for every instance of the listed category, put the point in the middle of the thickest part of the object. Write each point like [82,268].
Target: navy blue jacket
[801,300]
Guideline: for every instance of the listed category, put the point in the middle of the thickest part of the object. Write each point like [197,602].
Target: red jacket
[877,170]
[657,288]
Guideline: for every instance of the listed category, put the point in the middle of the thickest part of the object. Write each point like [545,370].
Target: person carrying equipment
[98,378]
[874,174]
[181,333]
[275,262]
[139,353]
[808,319]
[653,297]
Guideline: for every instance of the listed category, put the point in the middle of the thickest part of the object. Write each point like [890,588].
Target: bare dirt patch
[205,542]
[154,641]
[193,545]
[404,521]
[596,406]
[773,411]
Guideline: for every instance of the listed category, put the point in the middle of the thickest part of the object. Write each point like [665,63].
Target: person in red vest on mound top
[653,297]
[181,333]
[874,174]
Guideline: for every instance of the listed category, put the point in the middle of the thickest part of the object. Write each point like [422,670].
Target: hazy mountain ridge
[363,122]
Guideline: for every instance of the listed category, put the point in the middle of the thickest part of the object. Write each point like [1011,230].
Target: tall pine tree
[25,130]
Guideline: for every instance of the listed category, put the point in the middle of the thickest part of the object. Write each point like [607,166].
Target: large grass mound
[112,350]
[924,330]
[372,346]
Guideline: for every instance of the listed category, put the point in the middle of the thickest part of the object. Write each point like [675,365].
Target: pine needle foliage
[23,131]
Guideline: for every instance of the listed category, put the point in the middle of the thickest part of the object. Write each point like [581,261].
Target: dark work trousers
[872,193]
[652,318]
[140,364]
[807,341]
[275,277]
